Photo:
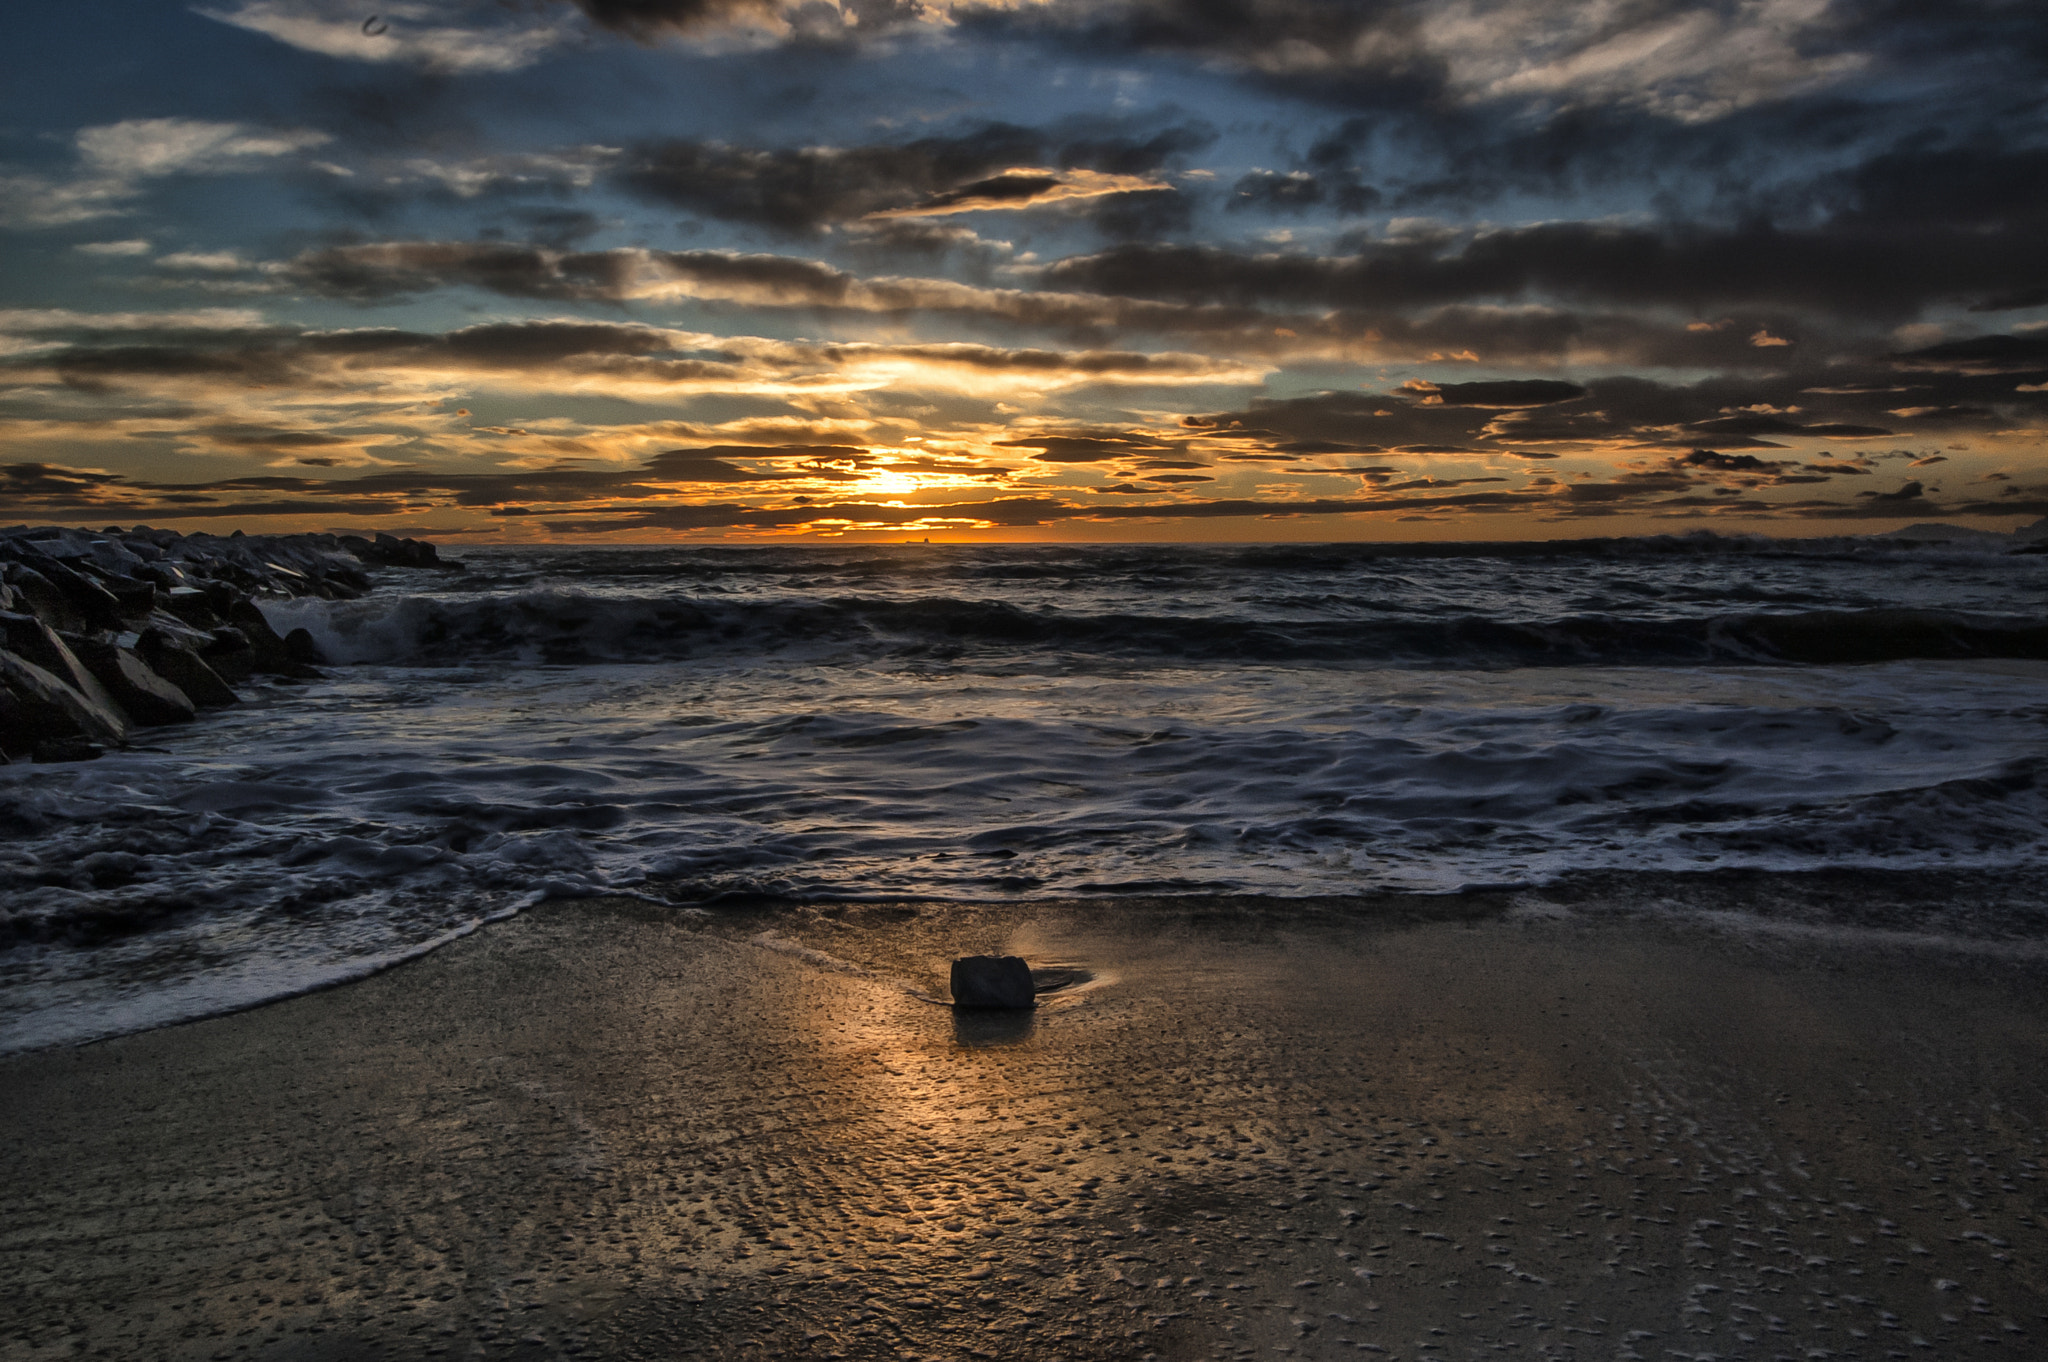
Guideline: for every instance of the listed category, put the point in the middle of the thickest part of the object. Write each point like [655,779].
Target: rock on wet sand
[998,981]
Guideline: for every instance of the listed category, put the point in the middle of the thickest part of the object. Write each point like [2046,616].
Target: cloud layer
[756,267]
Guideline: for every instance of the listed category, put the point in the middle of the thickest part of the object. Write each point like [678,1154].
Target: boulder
[87,599]
[185,669]
[41,708]
[131,595]
[390,551]
[268,653]
[300,648]
[149,699]
[43,599]
[17,724]
[993,981]
[192,605]
[230,655]
[33,641]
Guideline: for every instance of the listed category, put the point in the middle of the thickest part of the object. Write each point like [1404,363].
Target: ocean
[706,725]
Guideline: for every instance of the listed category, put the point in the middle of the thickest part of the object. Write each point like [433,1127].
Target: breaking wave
[566,626]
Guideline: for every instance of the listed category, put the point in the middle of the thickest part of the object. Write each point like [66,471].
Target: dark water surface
[706,725]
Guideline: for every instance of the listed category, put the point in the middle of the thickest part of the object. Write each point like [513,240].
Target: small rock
[993,981]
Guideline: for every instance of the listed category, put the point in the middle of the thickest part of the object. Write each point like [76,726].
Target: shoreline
[1998,916]
[603,1128]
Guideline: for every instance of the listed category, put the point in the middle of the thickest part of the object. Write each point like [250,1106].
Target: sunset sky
[634,270]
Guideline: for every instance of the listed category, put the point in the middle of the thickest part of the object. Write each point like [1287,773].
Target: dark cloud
[1928,30]
[1083,148]
[1362,53]
[55,487]
[650,19]
[1230,300]
[891,245]
[203,358]
[1015,187]
[1984,354]
[1752,423]
[713,463]
[1143,214]
[1348,422]
[1270,189]
[1985,186]
[1086,448]
[1052,363]
[355,364]
[1513,392]
[1728,463]
[381,271]
[374,273]
[1883,276]
[1762,82]
[258,437]
[1327,177]
[1726,411]
[1296,448]
[512,345]
[2036,296]
[797,190]
[310,358]
[383,493]
[558,228]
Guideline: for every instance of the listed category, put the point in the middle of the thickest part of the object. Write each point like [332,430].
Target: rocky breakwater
[106,632]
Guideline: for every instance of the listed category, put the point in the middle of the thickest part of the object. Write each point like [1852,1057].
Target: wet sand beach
[1613,1122]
